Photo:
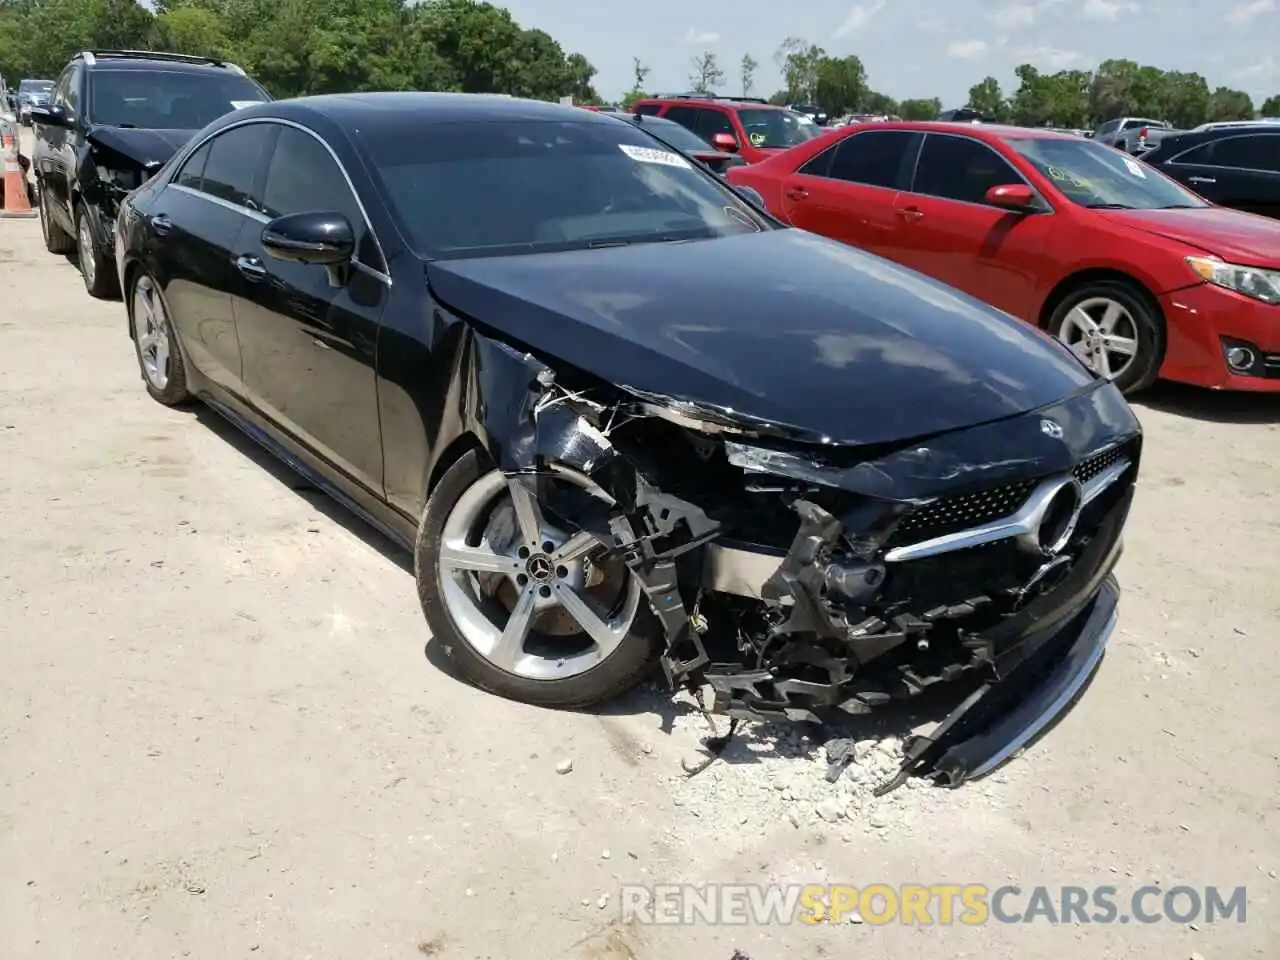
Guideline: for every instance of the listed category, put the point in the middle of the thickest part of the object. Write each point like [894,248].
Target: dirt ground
[220,736]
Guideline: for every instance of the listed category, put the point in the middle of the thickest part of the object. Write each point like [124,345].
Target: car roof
[375,109]
[151,62]
[980,131]
[713,102]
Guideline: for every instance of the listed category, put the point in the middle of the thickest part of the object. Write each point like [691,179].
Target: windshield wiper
[1109,206]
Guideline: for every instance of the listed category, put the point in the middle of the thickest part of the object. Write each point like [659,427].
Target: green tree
[986,98]
[881,103]
[640,72]
[840,83]
[920,109]
[748,69]
[1228,104]
[707,74]
[1186,100]
[1270,106]
[799,61]
[1054,99]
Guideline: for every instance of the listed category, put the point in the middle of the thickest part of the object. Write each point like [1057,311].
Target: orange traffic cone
[16,201]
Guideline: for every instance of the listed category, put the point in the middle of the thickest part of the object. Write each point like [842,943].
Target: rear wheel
[56,240]
[1115,330]
[159,358]
[522,608]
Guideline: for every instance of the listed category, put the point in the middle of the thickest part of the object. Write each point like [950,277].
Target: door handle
[1201,180]
[161,224]
[251,267]
[797,193]
[910,214]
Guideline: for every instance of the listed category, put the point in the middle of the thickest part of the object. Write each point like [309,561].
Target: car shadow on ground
[315,498]
[1211,406]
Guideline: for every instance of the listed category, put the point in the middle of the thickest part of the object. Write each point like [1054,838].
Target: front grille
[964,511]
[1086,470]
[952,514]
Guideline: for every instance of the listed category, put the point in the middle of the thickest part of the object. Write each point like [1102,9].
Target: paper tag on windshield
[1134,167]
[651,155]
[241,104]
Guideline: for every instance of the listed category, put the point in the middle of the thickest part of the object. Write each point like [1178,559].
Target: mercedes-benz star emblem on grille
[1051,429]
[1053,512]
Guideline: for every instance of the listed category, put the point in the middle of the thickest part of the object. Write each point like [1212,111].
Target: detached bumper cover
[994,722]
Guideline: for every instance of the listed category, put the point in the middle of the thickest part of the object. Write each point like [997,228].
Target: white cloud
[1052,59]
[1109,11]
[699,38]
[1246,12]
[1265,69]
[967,49]
[1014,17]
[858,18]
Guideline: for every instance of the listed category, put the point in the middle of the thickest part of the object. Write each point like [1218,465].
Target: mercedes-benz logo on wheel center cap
[1051,429]
[540,568]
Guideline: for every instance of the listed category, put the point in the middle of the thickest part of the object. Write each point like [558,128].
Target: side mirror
[1013,196]
[725,142]
[325,239]
[50,114]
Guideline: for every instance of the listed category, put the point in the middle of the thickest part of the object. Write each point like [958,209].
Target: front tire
[159,358]
[97,269]
[522,609]
[1115,329]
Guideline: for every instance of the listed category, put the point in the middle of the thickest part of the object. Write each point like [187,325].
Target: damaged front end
[112,163]
[802,579]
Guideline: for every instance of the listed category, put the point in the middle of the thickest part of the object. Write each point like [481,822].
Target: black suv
[114,119]
[1235,166]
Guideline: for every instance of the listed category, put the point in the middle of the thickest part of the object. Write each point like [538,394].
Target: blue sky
[918,48]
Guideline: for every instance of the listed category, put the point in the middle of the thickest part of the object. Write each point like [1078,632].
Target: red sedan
[1139,276]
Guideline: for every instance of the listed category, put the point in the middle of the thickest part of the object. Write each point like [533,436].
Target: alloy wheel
[88,265]
[531,599]
[151,327]
[1103,334]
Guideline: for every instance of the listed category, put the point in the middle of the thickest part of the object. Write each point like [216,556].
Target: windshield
[507,187]
[1096,176]
[167,99]
[777,128]
[35,86]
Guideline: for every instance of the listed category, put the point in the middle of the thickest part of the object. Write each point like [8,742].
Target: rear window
[490,189]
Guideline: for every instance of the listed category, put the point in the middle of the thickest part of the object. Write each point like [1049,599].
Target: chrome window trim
[254,214]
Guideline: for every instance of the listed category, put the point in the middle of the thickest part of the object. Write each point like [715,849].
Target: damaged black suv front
[115,118]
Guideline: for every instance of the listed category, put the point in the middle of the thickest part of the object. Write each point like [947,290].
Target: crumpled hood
[783,325]
[1231,234]
[147,148]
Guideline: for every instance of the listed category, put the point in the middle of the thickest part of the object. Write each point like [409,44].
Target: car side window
[1250,152]
[59,97]
[303,177]
[873,159]
[234,161]
[648,109]
[191,174]
[712,122]
[685,116]
[960,168]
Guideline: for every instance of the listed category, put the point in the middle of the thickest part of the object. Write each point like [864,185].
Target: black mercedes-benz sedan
[626,420]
